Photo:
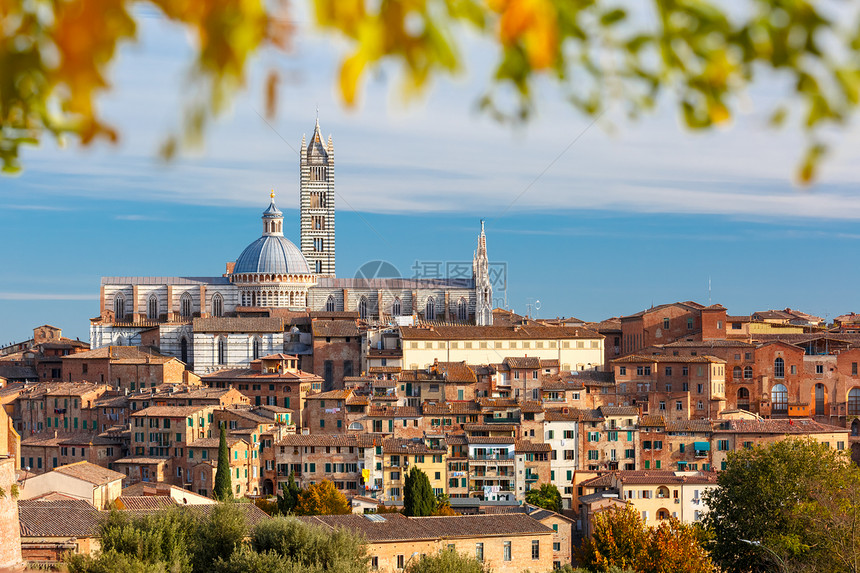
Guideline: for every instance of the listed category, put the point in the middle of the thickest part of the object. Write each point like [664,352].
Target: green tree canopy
[447,561]
[55,57]
[794,501]
[223,488]
[546,496]
[418,498]
[288,497]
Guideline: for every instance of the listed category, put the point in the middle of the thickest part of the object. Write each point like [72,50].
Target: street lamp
[778,559]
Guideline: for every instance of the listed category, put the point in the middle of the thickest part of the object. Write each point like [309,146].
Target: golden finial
[272,194]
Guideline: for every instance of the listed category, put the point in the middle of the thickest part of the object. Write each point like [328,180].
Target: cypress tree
[418,498]
[289,496]
[223,486]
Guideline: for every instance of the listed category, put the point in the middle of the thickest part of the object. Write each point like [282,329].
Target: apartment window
[793,369]
[622,371]
[662,404]
[779,398]
[819,368]
[400,561]
[668,371]
[506,553]
[666,323]
[479,551]
[747,372]
[685,370]
[699,388]
[689,324]
[374,563]
[854,369]
[535,549]
[679,405]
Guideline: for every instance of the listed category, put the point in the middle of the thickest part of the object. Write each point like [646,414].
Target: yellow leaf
[350,73]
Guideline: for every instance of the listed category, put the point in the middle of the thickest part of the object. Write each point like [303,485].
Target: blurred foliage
[55,57]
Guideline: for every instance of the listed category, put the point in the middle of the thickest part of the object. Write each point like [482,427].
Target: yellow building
[574,348]
[399,456]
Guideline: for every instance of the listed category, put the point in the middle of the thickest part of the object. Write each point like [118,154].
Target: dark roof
[397,527]
[793,426]
[527,446]
[248,324]
[615,411]
[335,328]
[58,518]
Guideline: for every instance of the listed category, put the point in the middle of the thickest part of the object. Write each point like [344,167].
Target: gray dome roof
[271,254]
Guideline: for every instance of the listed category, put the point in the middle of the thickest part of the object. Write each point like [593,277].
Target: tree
[223,489]
[322,499]
[418,498]
[621,540]
[218,535]
[618,539]
[546,496]
[447,561]
[311,546]
[288,497]
[786,482]
[55,58]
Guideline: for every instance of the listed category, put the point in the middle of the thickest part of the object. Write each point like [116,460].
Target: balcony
[504,457]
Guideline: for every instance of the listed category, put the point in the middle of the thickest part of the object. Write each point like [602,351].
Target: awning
[702,446]
[682,464]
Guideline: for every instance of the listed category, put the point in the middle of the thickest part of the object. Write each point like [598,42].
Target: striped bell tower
[316,179]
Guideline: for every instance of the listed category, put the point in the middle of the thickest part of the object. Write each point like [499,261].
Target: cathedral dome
[272,254]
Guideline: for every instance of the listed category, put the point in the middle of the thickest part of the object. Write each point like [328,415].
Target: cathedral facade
[221,322]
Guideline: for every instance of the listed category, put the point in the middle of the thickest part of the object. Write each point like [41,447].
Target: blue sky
[627,216]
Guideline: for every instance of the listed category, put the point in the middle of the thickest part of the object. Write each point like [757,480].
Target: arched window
[217,305]
[747,372]
[743,399]
[119,307]
[329,304]
[152,307]
[737,373]
[257,346]
[183,350]
[779,398]
[185,305]
[362,308]
[779,368]
[396,308]
[222,351]
[461,310]
[854,402]
[430,309]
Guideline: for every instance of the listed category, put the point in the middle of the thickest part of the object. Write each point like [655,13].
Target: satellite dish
[537,305]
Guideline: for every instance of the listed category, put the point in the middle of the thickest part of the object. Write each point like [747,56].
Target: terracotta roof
[331,395]
[490,440]
[629,477]
[489,427]
[654,421]
[397,527]
[356,440]
[527,446]
[335,329]
[782,426]
[49,439]
[445,408]
[58,518]
[688,426]
[215,442]
[604,480]
[142,460]
[688,305]
[384,369]
[457,372]
[152,502]
[404,446]
[123,355]
[572,415]
[471,332]
[615,411]
[531,407]
[170,411]
[530,362]
[715,343]
[270,377]
[393,412]
[89,472]
[233,324]
[639,358]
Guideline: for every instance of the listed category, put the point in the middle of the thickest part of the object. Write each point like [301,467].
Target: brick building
[126,368]
[336,350]
[670,322]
